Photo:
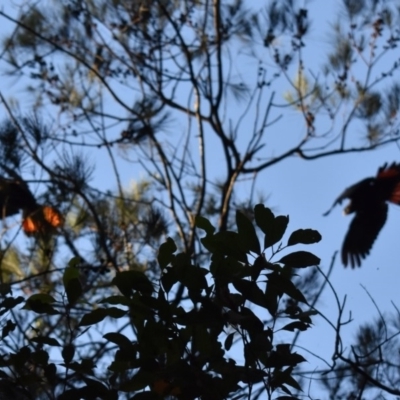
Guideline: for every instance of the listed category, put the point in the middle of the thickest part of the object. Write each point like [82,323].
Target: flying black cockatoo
[368,200]
[36,219]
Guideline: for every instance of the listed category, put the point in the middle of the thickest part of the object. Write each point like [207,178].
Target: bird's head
[348,209]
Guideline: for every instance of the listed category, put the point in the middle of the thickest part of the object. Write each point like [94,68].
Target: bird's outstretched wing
[339,200]
[363,231]
[348,193]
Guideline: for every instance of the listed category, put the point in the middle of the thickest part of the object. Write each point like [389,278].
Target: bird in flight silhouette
[368,200]
[36,219]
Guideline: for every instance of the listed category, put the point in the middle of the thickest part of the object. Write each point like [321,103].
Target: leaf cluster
[180,350]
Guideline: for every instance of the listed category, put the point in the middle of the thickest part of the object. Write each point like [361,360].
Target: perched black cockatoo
[368,200]
[36,219]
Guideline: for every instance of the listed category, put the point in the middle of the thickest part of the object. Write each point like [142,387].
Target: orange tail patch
[53,216]
[390,171]
[395,196]
[42,221]
[30,226]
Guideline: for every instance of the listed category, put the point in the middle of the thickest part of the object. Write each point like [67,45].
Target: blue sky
[304,190]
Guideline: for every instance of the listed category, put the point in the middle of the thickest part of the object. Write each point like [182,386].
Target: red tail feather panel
[29,226]
[42,221]
[395,196]
[368,201]
[53,216]
[389,172]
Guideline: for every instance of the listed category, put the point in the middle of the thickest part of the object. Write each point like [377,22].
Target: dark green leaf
[40,357]
[73,290]
[205,224]
[276,231]
[9,327]
[206,344]
[229,243]
[227,269]
[166,253]
[5,289]
[115,312]
[273,227]
[303,316]
[264,218]
[97,388]
[250,375]
[284,377]
[247,233]
[46,340]
[168,279]
[10,302]
[42,297]
[229,341]
[116,300]
[286,286]
[301,326]
[119,366]
[259,265]
[85,366]
[93,317]
[250,322]
[272,296]
[130,281]
[70,273]
[98,315]
[50,371]
[262,342]
[70,394]
[304,236]
[146,396]
[92,390]
[282,357]
[74,262]
[293,383]
[138,309]
[300,259]
[40,303]
[138,382]
[191,276]
[68,353]
[118,338]
[3,375]
[250,291]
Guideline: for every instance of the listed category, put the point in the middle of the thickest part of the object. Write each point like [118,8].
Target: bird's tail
[395,195]
[42,221]
[392,173]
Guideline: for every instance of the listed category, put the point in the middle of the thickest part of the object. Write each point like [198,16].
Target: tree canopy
[182,283]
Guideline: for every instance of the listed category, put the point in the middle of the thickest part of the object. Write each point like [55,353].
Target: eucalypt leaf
[40,303]
[273,227]
[304,236]
[247,233]
[72,285]
[300,259]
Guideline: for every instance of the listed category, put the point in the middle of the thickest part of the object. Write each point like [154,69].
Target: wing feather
[363,231]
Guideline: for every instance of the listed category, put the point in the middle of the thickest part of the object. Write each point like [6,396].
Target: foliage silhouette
[188,92]
[179,351]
